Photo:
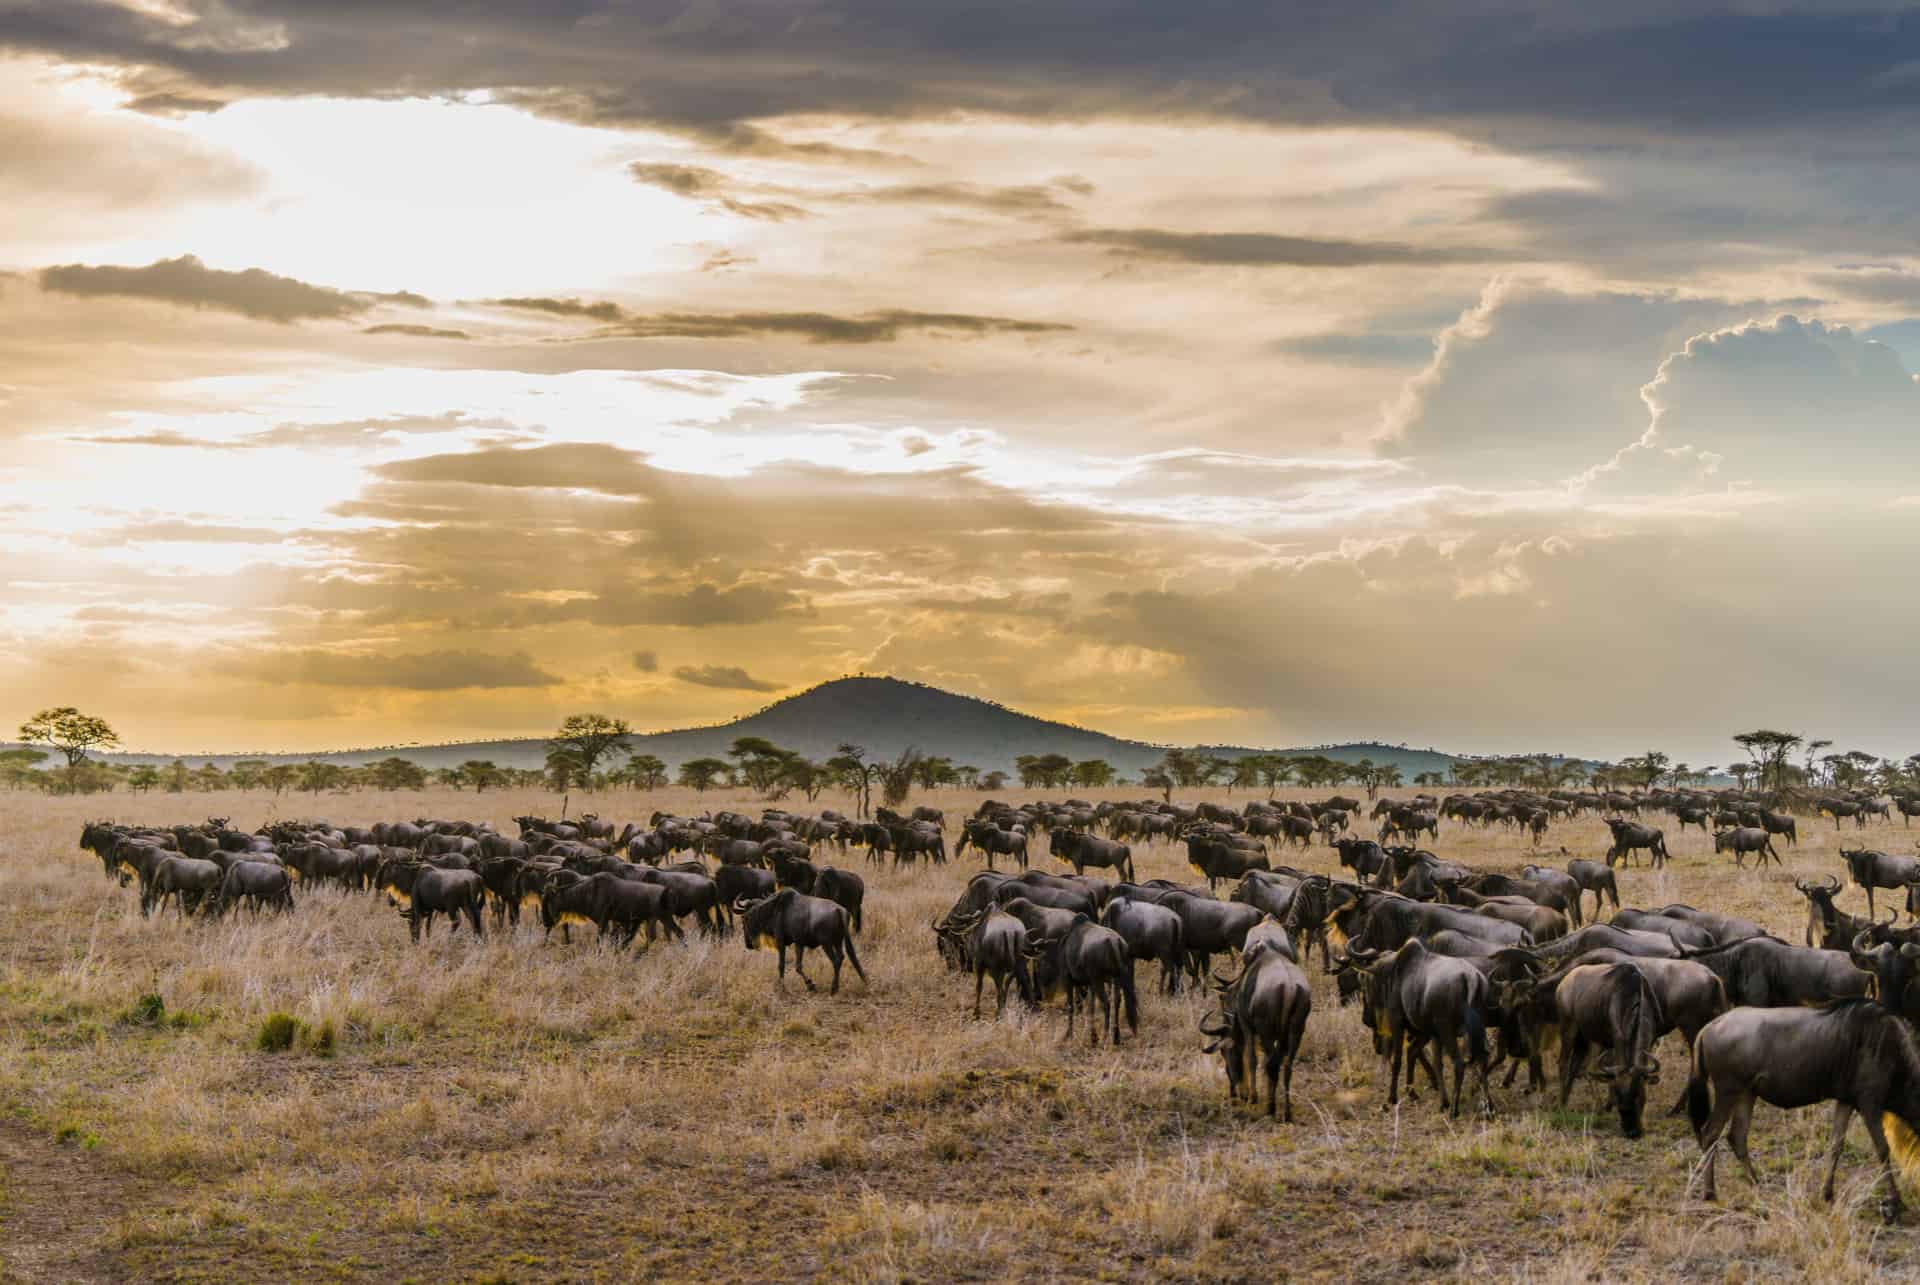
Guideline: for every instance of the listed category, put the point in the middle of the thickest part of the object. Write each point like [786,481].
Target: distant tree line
[593,752]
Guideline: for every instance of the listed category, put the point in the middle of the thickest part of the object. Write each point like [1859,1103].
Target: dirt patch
[58,1207]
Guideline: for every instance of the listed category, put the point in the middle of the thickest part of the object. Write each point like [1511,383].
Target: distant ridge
[886,715]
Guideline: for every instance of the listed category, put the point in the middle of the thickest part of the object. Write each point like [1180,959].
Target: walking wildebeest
[1855,1055]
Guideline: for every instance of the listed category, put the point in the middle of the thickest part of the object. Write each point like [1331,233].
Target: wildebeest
[1210,927]
[1414,997]
[1081,850]
[258,883]
[1217,858]
[1093,965]
[791,918]
[1614,1007]
[617,907]
[422,891]
[1872,870]
[1597,878]
[1829,927]
[190,882]
[1765,972]
[1744,839]
[1264,1013]
[1630,837]
[1151,931]
[997,948]
[1856,1055]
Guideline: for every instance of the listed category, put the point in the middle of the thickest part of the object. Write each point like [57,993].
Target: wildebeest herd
[1453,970]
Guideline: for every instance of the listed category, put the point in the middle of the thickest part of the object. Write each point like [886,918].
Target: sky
[1504,376]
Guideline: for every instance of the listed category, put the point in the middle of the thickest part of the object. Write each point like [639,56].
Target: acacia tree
[853,773]
[703,774]
[1645,770]
[586,739]
[896,778]
[647,771]
[1769,750]
[480,773]
[1093,774]
[72,733]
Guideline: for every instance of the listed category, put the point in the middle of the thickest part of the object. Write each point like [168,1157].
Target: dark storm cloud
[812,327]
[1267,250]
[730,677]
[187,282]
[708,69]
[647,662]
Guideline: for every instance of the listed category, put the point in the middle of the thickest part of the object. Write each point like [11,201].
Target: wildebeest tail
[1699,1097]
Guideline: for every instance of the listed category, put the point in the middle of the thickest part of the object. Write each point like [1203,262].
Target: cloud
[883,326]
[186,282]
[646,662]
[417,332]
[1786,402]
[1895,287]
[433,671]
[1267,250]
[703,606]
[730,677]
[1535,383]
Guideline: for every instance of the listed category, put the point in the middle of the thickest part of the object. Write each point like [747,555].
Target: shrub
[278,1032]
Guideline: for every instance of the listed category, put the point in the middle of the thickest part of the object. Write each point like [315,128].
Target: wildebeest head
[1634,1012]
[757,918]
[1895,967]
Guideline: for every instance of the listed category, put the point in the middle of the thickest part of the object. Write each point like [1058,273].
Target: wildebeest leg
[1737,1126]
[1573,1052]
[834,954]
[413,924]
[799,958]
[1842,1117]
[1890,1206]
[473,914]
[979,981]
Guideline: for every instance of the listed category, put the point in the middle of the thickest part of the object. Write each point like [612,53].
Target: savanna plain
[519,1109]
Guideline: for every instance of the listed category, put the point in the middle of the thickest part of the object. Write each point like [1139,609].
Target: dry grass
[512,1109]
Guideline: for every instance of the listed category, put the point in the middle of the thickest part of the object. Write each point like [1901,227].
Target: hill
[886,715]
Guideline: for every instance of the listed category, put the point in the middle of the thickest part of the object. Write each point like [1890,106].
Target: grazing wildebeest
[1093,964]
[1682,931]
[1857,1056]
[1780,823]
[791,918]
[1614,1007]
[1264,1012]
[1630,837]
[1745,839]
[1872,870]
[1081,850]
[1210,927]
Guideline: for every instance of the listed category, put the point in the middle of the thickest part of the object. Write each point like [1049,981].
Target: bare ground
[517,1110]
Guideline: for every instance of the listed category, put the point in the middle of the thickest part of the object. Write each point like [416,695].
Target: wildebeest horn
[1888,921]
[1800,886]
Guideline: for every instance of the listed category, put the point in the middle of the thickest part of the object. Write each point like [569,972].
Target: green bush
[278,1032]
[148,1010]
